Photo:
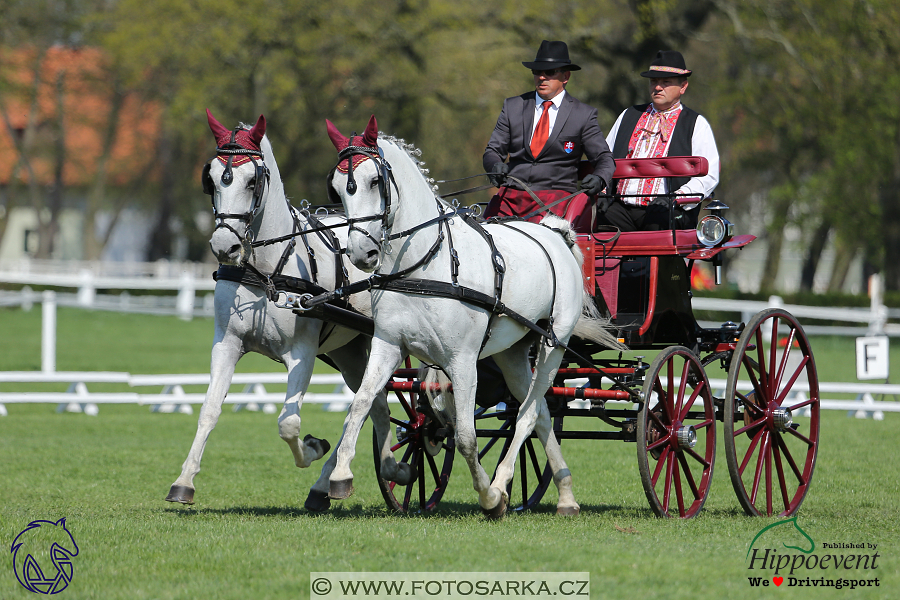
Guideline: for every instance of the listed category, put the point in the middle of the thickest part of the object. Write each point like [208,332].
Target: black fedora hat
[668,63]
[552,55]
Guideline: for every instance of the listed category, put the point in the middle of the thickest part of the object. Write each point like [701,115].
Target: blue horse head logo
[787,531]
[38,546]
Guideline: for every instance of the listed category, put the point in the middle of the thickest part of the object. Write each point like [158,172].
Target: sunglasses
[547,73]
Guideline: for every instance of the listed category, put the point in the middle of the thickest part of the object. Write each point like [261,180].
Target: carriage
[666,406]
[768,407]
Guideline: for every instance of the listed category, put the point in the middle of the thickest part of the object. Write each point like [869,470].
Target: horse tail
[591,326]
[594,327]
[437,387]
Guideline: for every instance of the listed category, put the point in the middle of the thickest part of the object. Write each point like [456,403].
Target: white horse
[250,204]
[401,230]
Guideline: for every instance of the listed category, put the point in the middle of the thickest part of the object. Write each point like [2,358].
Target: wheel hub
[782,418]
[687,437]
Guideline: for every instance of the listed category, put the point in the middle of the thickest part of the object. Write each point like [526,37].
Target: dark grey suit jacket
[576,130]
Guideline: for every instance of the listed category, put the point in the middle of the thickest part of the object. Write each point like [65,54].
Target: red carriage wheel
[676,436]
[533,474]
[428,448]
[772,415]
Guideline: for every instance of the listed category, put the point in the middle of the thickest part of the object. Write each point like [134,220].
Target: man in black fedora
[543,134]
[664,127]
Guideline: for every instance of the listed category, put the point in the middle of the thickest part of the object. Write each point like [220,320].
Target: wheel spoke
[697,457]
[670,381]
[660,463]
[434,472]
[396,421]
[749,454]
[784,360]
[667,493]
[760,463]
[689,476]
[806,402]
[410,411]
[790,458]
[676,482]
[751,426]
[800,436]
[782,484]
[535,463]
[760,393]
[790,383]
[655,418]
[769,477]
[773,352]
[690,403]
[662,398]
[399,445]
[704,424]
[761,366]
[748,404]
[677,405]
[660,442]
[421,471]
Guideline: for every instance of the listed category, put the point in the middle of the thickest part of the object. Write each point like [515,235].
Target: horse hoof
[317,502]
[313,442]
[181,493]
[568,511]
[496,513]
[338,490]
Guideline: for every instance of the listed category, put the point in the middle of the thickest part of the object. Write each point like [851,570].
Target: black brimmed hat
[552,55]
[668,63]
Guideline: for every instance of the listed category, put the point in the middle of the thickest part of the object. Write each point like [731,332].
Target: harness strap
[338,311]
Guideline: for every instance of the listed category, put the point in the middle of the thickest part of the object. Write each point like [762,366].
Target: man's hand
[498,174]
[592,185]
[664,201]
[603,203]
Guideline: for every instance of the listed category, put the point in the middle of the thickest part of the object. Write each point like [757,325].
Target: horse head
[236,179]
[361,181]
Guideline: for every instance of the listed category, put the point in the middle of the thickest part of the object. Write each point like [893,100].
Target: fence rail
[79,398]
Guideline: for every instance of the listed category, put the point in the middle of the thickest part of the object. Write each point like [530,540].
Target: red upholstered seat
[644,168]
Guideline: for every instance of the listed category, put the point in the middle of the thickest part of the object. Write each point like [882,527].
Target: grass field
[249,537]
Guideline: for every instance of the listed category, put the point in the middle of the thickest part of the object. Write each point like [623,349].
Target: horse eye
[251,184]
[374,184]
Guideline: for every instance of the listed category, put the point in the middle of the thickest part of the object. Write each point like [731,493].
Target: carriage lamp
[714,228]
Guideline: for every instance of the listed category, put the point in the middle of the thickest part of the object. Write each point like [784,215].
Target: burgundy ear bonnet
[368,139]
[247,139]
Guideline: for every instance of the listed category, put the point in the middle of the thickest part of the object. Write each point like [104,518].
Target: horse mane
[414,154]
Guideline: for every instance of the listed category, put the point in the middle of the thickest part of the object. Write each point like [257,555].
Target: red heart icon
[778,580]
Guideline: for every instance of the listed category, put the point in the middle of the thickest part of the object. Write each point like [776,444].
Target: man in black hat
[664,127]
[544,134]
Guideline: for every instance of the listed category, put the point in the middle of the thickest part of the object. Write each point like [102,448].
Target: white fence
[186,279]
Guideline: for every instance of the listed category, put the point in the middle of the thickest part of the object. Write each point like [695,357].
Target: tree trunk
[814,255]
[843,258]
[161,236]
[93,241]
[775,241]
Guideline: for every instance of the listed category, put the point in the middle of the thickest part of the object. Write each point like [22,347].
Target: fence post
[184,304]
[879,314]
[86,290]
[48,332]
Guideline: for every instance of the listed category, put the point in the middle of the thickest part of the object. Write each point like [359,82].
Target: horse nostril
[234,249]
[372,254]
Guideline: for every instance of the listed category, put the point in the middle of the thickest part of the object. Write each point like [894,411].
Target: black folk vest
[679,146]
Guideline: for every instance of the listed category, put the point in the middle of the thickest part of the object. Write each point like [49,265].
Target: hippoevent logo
[42,556]
[783,554]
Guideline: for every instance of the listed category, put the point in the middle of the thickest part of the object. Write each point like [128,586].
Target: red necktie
[542,131]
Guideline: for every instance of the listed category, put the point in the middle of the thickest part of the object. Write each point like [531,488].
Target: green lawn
[249,537]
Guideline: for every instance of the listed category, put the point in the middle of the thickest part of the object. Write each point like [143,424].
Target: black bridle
[385,181]
[261,179]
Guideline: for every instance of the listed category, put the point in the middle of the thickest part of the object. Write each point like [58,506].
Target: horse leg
[562,477]
[384,358]
[529,388]
[300,363]
[493,501]
[351,360]
[225,355]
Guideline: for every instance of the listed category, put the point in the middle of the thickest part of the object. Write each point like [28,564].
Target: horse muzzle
[228,248]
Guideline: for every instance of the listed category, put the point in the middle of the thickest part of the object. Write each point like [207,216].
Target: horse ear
[222,134]
[258,131]
[370,135]
[340,142]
